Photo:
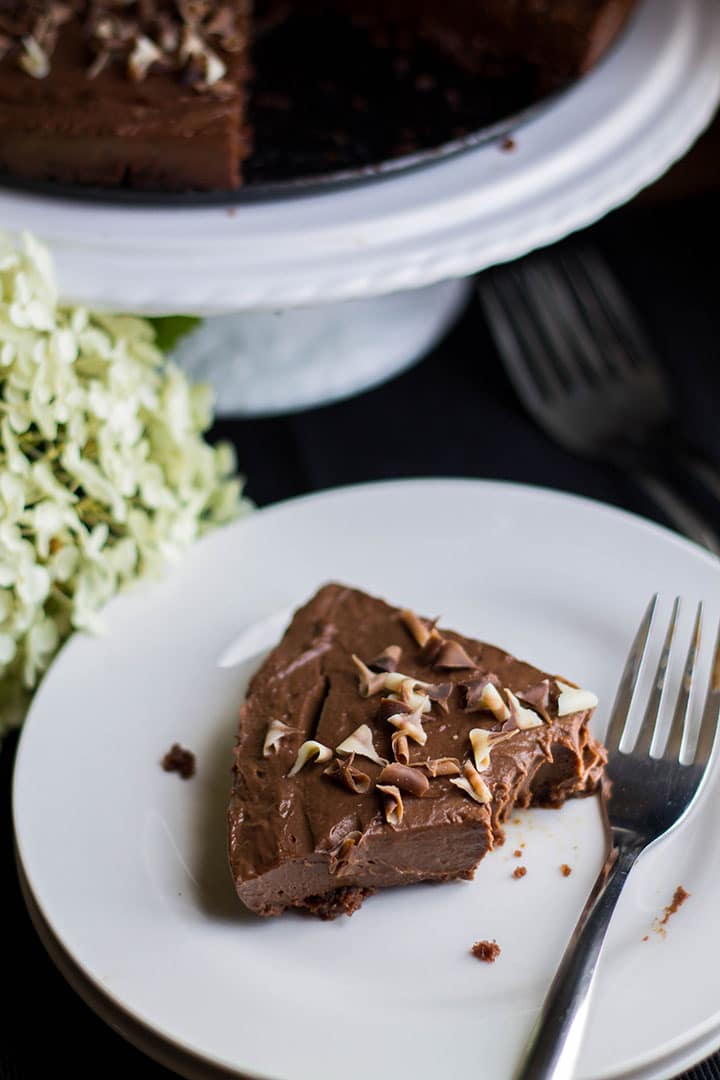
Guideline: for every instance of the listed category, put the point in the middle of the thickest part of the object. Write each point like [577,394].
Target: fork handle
[554,1045]
[680,513]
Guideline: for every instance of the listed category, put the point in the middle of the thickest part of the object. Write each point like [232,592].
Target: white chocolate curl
[275,732]
[360,742]
[410,725]
[472,784]
[310,751]
[393,803]
[523,718]
[416,627]
[403,686]
[491,699]
[483,742]
[572,699]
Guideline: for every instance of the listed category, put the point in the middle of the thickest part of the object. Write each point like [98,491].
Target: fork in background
[649,796]
[584,369]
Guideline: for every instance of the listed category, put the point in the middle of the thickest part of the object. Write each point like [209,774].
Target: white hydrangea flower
[104,473]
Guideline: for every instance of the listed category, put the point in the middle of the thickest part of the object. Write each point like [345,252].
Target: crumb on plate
[180,761]
[487,951]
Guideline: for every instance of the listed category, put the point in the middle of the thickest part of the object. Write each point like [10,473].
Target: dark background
[664,248]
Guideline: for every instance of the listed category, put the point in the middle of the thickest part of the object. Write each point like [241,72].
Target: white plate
[127,864]
[595,147]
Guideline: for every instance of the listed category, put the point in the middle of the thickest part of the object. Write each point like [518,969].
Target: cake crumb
[487,951]
[180,761]
[519,871]
[566,870]
[646,938]
[517,853]
[679,897]
[508,145]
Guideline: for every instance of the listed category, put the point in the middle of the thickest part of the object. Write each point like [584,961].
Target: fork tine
[652,709]
[555,309]
[711,711]
[677,729]
[628,681]
[616,307]
[611,356]
[504,307]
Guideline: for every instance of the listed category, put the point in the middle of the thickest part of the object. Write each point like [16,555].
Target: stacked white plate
[125,865]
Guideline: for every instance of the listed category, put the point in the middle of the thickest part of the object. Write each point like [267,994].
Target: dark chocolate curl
[439,692]
[431,648]
[452,655]
[344,772]
[406,778]
[389,708]
[538,697]
[388,660]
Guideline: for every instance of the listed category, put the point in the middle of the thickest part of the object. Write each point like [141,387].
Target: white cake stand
[285,265]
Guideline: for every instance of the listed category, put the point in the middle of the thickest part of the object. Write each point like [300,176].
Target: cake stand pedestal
[282,361]
[301,255]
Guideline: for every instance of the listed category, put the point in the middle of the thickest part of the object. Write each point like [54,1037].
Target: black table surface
[473,425]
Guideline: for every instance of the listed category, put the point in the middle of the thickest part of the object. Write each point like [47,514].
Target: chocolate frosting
[286,834]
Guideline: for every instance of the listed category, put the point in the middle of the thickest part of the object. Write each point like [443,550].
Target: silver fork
[649,796]
[583,367]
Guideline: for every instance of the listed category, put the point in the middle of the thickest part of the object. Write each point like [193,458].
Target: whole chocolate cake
[376,750]
[159,94]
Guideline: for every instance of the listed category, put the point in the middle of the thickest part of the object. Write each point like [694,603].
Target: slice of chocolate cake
[376,749]
[148,95]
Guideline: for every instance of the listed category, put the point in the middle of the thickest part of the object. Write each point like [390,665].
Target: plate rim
[632,1067]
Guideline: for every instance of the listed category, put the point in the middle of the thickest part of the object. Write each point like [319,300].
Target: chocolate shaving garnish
[439,693]
[408,689]
[419,630]
[340,857]
[472,783]
[431,648]
[360,742]
[344,772]
[520,717]
[451,655]
[34,60]
[407,779]
[483,742]
[482,695]
[442,766]
[390,707]
[276,731]
[370,682]
[388,660]
[573,699]
[310,751]
[410,724]
[393,804]
[538,696]
[400,747]
[145,56]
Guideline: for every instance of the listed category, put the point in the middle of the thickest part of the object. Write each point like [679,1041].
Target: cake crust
[316,840]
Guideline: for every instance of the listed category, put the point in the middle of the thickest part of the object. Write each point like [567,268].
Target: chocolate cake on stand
[345,253]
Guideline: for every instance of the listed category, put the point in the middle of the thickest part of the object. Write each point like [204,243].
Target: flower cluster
[104,473]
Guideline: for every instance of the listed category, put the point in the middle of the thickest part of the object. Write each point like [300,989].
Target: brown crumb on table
[519,871]
[566,870]
[646,938]
[517,853]
[508,144]
[487,951]
[180,761]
